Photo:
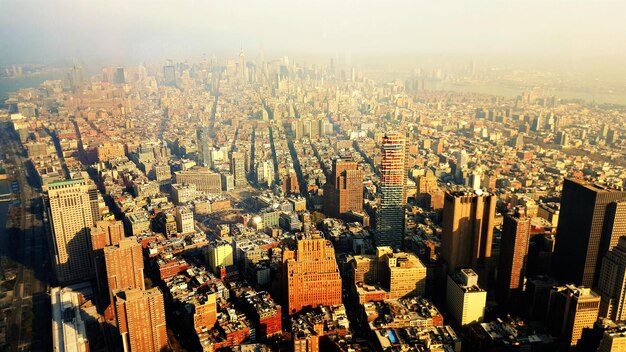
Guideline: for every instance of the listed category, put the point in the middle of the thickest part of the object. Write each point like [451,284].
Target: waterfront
[510,92]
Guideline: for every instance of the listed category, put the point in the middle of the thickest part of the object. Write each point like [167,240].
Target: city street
[29,317]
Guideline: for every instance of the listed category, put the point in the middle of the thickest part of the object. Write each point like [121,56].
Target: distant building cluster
[275,205]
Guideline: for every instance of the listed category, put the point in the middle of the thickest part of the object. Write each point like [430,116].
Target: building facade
[141,319]
[311,275]
[583,233]
[73,210]
[512,262]
[343,191]
[390,212]
[468,220]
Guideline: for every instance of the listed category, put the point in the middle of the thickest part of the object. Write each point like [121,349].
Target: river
[8,85]
[509,92]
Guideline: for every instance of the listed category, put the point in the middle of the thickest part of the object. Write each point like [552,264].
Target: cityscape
[243,196]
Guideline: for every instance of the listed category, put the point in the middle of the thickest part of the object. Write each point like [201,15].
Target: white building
[465,299]
[68,326]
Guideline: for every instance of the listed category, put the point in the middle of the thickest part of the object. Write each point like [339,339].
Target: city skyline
[274,176]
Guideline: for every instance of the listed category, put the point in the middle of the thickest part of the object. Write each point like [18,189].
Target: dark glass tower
[584,233]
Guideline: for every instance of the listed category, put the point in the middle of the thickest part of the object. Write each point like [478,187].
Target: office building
[466,301]
[141,319]
[124,265]
[512,262]
[204,179]
[570,310]
[311,275]
[169,75]
[613,340]
[204,151]
[612,283]
[105,233]
[73,210]
[390,213]
[203,308]
[584,234]
[238,168]
[343,191]
[185,222]
[120,76]
[220,255]
[183,193]
[402,274]
[468,220]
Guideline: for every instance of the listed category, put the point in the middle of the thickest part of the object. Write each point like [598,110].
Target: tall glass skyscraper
[390,215]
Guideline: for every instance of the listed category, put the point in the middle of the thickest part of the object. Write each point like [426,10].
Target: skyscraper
[612,283]
[169,75]
[141,319]
[311,274]
[120,76]
[238,168]
[468,231]
[512,262]
[570,310]
[466,301]
[585,232]
[243,69]
[344,189]
[72,209]
[124,265]
[105,233]
[204,152]
[390,214]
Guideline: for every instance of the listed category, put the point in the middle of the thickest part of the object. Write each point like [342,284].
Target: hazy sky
[120,31]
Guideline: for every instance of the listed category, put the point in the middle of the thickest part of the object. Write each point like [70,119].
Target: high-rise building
[428,194]
[243,68]
[265,173]
[290,183]
[468,220]
[141,319]
[105,233]
[120,76]
[570,310]
[203,306]
[402,274]
[204,151]
[124,265]
[612,283]
[466,301]
[169,75]
[344,189]
[613,340]
[584,232]
[390,213]
[238,168]
[512,262]
[220,253]
[185,222]
[311,275]
[73,210]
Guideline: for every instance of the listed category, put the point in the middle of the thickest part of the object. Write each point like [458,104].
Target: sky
[122,31]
